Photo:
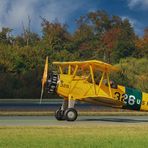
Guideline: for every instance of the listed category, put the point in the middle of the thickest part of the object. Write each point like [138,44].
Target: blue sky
[14,13]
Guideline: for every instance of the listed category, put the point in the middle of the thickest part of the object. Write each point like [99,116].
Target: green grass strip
[110,136]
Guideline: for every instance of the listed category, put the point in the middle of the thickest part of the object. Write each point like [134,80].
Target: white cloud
[14,12]
[138,3]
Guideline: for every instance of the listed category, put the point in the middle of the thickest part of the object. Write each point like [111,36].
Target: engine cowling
[52,82]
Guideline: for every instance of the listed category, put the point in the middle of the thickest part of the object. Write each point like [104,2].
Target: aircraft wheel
[59,114]
[70,114]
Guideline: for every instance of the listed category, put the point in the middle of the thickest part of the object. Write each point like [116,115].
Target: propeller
[44,78]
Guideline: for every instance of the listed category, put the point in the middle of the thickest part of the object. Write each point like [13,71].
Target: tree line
[98,36]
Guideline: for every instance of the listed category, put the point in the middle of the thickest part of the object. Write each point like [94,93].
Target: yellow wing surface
[102,66]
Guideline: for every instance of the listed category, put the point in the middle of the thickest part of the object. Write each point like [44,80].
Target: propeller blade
[42,91]
[44,78]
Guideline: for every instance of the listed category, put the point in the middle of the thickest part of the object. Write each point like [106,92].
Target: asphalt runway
[46,107]
[81,120]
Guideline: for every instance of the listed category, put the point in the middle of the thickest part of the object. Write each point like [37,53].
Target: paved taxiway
[82,120]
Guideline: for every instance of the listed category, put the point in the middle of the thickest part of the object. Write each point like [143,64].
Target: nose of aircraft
[52,82]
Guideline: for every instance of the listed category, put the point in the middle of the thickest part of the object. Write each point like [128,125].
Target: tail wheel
[59,114]
[70,114]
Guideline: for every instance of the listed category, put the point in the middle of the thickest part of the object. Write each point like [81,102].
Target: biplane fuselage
[121,97]
[89,81]
[75,84]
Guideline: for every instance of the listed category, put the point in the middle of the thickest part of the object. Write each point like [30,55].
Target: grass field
[103,136]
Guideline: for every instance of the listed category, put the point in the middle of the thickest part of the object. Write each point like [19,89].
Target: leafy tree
[55,35]
[27,39]
[142,45]
[98,36]
[5,37]
[110,42]
[136,73]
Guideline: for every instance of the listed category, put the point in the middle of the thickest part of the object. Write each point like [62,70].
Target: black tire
[59,114]
[70,114]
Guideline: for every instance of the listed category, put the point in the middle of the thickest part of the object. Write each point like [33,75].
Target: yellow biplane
[77,81]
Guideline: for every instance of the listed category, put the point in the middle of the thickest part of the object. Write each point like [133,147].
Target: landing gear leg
[70,113]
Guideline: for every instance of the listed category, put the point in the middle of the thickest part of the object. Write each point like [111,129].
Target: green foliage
[134,73]
[5,36]
[110,36]
[97,36]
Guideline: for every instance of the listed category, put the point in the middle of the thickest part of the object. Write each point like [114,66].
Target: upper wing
[102,66]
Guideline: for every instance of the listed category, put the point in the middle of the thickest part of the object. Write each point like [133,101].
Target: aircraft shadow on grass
[121,120]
